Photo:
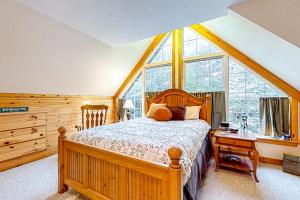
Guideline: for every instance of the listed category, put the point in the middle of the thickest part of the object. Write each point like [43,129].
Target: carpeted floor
[38,181]
[228,185]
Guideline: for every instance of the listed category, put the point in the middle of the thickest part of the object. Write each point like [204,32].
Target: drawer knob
[34,130]
[41,134]
[6,142]
[34,117]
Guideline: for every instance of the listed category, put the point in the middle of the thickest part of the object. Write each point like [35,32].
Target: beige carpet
[38,181]
[228,185]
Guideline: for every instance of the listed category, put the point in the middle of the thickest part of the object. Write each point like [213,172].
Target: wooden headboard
[174,97]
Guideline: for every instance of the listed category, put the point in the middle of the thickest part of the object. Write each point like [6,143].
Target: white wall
[41,55]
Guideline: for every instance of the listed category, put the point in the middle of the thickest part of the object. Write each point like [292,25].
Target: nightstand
[236,151]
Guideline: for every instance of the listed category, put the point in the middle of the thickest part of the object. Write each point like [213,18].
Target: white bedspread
[149,140]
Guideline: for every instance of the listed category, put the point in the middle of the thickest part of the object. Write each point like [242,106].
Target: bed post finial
[62,187]
[62,131]
[175,154]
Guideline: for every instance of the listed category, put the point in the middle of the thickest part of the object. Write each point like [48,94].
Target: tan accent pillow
[192,112]
[153,107]
[162,114]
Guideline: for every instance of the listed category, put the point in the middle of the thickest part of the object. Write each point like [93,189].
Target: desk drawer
[240,143]
[21,149]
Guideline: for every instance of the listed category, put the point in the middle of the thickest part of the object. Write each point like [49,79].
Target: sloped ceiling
[119,22]
[280,17]
[274,53]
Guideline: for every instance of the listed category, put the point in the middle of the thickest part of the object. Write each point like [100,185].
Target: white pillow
[192,112]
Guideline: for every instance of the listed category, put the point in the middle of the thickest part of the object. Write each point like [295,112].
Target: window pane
[158,78]
[163,52]
[190,48]
[134,93]
[245,89]
[204,76]
[189,34]
[195,45]
[202,47]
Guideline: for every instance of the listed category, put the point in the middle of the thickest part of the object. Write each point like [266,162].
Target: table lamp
[128,104]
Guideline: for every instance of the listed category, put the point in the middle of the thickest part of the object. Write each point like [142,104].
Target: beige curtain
[121,109]
[218,105]
[274,116]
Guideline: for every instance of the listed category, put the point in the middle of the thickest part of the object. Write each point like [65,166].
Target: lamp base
[125,118]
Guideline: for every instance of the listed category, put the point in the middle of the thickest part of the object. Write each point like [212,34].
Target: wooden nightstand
[242,146]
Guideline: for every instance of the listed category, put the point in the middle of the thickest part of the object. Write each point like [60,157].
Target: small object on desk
[224,126]
[232,130]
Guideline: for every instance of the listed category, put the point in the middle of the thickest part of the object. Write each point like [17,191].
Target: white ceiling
[280,17]
[117,22]
[274,53]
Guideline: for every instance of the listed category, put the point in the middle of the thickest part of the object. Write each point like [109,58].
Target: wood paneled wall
[60,110]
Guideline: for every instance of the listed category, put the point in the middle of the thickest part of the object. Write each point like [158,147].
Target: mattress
[149,140]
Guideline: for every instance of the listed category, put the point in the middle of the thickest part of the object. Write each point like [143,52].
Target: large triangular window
[206,68]
[245,90]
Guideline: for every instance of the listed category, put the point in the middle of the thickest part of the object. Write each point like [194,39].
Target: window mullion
[226,83]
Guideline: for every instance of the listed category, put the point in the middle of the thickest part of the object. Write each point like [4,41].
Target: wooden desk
[241,145]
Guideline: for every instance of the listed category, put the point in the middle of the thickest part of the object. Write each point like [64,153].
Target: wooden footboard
[102,174]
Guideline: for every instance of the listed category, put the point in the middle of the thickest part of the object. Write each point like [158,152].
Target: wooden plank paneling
[46,113]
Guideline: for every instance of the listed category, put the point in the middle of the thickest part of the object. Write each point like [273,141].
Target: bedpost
[61,138]
[208,108]
[175,189]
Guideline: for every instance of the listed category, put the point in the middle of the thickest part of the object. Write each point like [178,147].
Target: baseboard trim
[9,164]
[273,161]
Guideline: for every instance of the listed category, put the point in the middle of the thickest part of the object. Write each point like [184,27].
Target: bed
[138,159]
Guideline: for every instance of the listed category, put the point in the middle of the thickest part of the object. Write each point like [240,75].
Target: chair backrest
[93,115]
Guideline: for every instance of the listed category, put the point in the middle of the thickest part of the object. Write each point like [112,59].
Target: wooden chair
[92,116]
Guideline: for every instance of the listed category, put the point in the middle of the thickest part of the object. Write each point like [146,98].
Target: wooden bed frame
[102,174]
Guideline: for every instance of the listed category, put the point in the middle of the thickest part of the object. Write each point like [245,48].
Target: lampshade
[128,104]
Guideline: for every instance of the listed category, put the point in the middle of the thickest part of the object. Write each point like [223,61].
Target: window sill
[277,141]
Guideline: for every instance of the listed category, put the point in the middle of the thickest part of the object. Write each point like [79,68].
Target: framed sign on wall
[13,109]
